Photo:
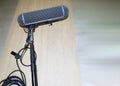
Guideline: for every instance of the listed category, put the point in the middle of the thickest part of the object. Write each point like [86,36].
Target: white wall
[7,8]
[97,24]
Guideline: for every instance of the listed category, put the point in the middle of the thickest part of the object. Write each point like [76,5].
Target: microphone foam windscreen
[44,15]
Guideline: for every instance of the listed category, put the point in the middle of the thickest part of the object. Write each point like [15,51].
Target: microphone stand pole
[30,41]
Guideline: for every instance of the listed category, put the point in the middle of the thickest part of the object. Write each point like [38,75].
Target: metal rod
[30,40]
[33,65]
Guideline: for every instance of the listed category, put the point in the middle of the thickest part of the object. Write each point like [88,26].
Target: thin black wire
[22,73]
[15,80]
[22,53]
[25,30]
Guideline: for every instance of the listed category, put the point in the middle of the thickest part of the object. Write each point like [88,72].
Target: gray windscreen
[40,16]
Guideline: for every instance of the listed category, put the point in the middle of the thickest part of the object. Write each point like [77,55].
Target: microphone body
[48,15]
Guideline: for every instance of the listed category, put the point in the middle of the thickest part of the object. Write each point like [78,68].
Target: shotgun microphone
[47,15]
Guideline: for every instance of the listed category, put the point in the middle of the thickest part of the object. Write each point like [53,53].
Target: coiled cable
[13,79]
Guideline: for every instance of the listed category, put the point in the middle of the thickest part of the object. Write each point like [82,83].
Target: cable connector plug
[17,56]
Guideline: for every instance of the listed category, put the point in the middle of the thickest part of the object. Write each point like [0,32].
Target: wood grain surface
[57,63]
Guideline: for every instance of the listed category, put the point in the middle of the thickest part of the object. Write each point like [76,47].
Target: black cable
[25,30]
[22,53]
[16,80]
